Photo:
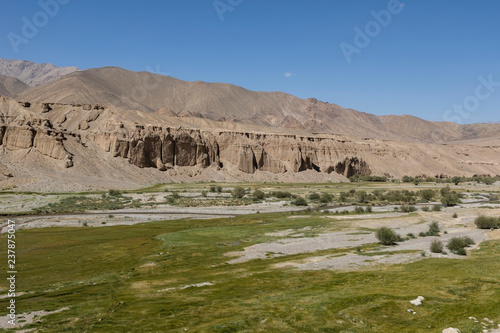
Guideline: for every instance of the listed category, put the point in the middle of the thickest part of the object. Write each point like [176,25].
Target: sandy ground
[287,242]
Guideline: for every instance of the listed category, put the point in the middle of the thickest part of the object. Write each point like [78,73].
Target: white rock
[451,330]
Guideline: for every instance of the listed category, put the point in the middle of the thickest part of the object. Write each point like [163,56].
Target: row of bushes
[416,180]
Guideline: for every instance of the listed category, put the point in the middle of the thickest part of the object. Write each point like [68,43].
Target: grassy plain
[173,276]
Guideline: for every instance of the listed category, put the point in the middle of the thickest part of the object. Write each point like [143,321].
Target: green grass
[100,274]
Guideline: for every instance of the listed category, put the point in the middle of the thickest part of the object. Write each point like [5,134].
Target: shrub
[175,195]
[425,209]
[386,236]
[219,189]
[238,192]
[326,198]
[359,209]
[314,196]
[486,222]
[204,194]
[455,215]
[436,246]
[433,229]
[368,209]
[258,194]
[212,188]
[114,193]
[407,208]
[427,195]
[457,245]
[410,235]
[450,199]
[299,202]
[422,234]
[436,208]
[281,194]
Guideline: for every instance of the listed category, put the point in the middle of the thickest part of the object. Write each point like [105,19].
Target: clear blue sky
[427,57]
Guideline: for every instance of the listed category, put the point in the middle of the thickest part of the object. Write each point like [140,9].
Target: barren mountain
[10,86]
[111,128]
[46,146]
[144,91]
[31,73]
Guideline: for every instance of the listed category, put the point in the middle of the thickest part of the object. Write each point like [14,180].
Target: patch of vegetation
[238,192]
[387,236]
[258,194]
[457,245]
[314,196]
[299,202]
[436,246]
[84,203]
[486,222]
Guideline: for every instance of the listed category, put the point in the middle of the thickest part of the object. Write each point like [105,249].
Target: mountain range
[159,121]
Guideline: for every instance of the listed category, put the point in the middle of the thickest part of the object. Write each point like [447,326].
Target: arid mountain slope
[31,73]
[144,91]
[76,147]
[10,86]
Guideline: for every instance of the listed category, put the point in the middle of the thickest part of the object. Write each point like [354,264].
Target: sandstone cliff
[86,138]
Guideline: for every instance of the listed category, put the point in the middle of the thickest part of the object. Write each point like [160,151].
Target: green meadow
[142,278]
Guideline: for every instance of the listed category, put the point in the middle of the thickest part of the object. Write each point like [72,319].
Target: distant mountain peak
[31,73]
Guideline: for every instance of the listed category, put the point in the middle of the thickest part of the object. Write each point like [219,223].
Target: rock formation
[74,134]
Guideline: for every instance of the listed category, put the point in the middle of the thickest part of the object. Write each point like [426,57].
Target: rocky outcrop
[72,133]
[38,135]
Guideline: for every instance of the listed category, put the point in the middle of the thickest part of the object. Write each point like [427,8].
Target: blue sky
[438,60]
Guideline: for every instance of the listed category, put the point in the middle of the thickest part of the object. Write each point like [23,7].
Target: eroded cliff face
[48,128]
[39,135]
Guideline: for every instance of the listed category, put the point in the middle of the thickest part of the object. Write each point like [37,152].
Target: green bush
[314,196]
[204,194]
[425,209]
[450,199]
[433,229]
[427,195]
[486,222]
[436,208]
[281,194]
[386,236]
[114,193]
[238,192]
[299,202]
[407,208]
[326,198]
[258,194]
[212,188]
[359,209]
[219,189]
[436,246]
[457,245]
[368,209]
[455,215]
